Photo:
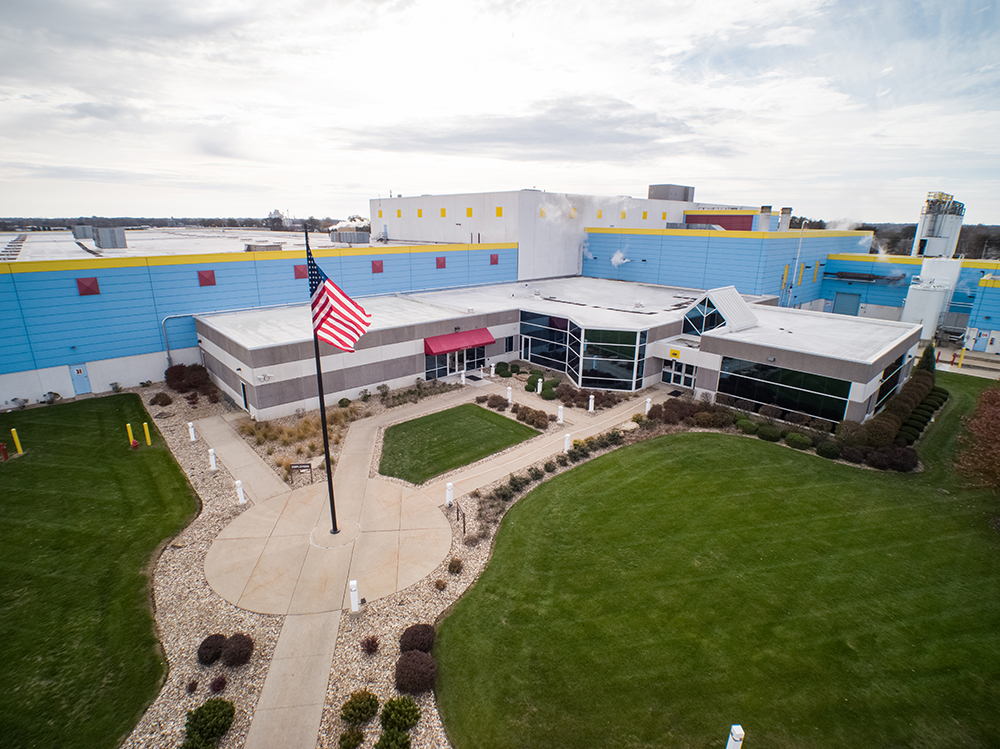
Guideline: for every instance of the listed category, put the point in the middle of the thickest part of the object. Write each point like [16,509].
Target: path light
[239,492]
[560,419]
[510,397]
[591,406]
[735,737]
[449,495]
[539,388]
[493,370]
[191,430]
[649,404]
[355,601]
[211,459]
[463,378]
[566,444]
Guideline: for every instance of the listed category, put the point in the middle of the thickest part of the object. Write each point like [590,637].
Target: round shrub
[161,399]
[393,740]
[217,684]
[746,426]
[535,473]
[532,384]
[562,460]
[903,459]
[854,453]
[400,714]
[916,425]
[769,432]
[505,373]
[192,687]
[515,368]
[550,466]
[416,672]
[503,366]
[359,708]
[923,411]
[352,738]
[210,649]
[850,433]
[828,449]
[548,394]
[879,459]
[344,402]
[208,723]
[798,441]
[237,650]
[421,636]
[455,568]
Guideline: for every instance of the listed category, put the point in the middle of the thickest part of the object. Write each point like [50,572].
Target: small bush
[416,672]
[192,687]
[515,368]
[746,426]
[482,398]
[352,738]
[344,402]
[217,684]
[769,432]
[850,434]
[440,584]
[502,366]
[562,460]
[145,383]
[400,714]
[854,453]
[208,723]
[161,399]
[116,387]
[550,466]
[770,412]
[798,441]
[503,493]
[455,566]
[548,394]
[237,650]
[497,402]
[535,473]
[359,708]
[369,644]
[420,636]
[210,649]
[394,740]
[828,449]
[517,483]
[505,373]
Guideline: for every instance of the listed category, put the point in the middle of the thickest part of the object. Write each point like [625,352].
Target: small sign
[675,353]
[301,466]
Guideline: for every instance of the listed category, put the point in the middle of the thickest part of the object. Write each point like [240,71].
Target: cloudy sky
[843,110]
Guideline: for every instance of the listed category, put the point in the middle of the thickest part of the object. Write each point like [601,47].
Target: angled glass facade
[812,394]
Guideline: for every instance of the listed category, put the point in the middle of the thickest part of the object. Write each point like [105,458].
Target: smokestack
[786,219]
[764,221]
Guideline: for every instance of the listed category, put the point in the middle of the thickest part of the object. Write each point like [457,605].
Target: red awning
[445,344]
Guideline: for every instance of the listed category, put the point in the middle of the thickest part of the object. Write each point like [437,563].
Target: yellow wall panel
[399,213]
[420,213]
[572,212]
[623,215]
[599,212]
[644,215]
[541,213]
[664,216]
[380,213]
[468,213]
[499,211]
[443,213]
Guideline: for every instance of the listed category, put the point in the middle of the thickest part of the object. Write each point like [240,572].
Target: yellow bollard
[145,428]
[131,439]
[17,442]
[962,357]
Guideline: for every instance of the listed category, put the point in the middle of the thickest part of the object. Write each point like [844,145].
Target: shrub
[217,684]
[455,568]
[352,738]
[420,636]
[497,402]
[505,373]
[562,460]
[393,740]
[208,723]
[535,473]
[400,714]
[416,672]
[369,644]
[798,441]
[850,434]
[504,493]
[532,384]
[237,650]
[161,399]
[192,687]
[517,483]
[881,430]
[769,432]
[746,426]
[210,649]
[702,419]
[770,412]
[828,449]
[440,584]
[515,368]
[360,708]
[482,398]
[854,453]
[795,417]
[548,394]
[116,387]
[503,366]
[344,402]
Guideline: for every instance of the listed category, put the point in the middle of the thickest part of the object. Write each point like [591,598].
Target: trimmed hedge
[416,672]
[237,650]
[769,432]
[828,449]
[419,636]
[798,441]
[211,649]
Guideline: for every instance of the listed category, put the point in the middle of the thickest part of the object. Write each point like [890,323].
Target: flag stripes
[337,319]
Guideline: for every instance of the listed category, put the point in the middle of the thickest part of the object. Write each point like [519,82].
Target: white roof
[733,308]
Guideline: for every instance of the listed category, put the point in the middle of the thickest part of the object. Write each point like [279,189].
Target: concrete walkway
[279,556]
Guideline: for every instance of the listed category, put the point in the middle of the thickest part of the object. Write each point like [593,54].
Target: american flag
[337,319]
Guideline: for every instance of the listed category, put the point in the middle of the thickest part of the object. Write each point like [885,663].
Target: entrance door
[81,382]
[846,304]
[456,362]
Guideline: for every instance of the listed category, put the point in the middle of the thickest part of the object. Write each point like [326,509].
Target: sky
[846,111]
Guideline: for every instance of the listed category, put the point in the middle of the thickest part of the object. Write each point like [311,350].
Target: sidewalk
[279,556]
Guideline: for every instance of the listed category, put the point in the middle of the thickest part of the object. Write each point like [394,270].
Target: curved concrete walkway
[279,556]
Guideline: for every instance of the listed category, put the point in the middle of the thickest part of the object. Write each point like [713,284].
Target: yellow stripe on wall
[722,212]
[793,234]
[865,258]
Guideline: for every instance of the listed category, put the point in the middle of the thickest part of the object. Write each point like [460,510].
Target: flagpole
[322,418]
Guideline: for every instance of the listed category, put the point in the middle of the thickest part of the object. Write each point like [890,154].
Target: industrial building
[615,292]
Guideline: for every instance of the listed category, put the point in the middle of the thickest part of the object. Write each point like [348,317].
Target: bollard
[736,735]
[493,370]
[463,378]
[3,451]
[239,492]
[131,439]
[355,604]
[17,442]
[560,419]
[649,404]
[539,388]
[145,428]
[211,459]
[510,396]
[590,407]
[191,430]
[449,495]
[566,444]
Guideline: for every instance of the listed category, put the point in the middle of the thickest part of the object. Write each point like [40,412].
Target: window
[677,373]
[468,213]
[508,344]
[443,214]
[816,395]
[702,318]
[376,266]
[206,278]
[301,271]
[440,262]
[88,286]
[494,259]
[499,211]
[890,378]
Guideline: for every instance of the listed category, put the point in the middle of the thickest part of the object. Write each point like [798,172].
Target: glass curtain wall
[890,378]
[812,394]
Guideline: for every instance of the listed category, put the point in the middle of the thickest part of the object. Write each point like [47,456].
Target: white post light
[191,430]
[463,378]
[566,444]
[510,395]
[591,406]
[539,388]
[493,370]
[735,737]
[211,459]
[649,404]
[355,603]
[560,419]
[239,493]
[449,495]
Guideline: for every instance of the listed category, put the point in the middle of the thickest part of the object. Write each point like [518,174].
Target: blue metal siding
[15,349]
[987,304]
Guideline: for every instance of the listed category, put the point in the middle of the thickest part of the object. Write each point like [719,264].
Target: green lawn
[426,447]
[653,597]
[82,516]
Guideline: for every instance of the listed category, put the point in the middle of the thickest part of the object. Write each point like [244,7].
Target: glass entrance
[456,362]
